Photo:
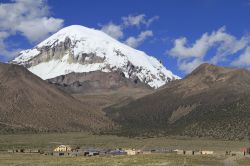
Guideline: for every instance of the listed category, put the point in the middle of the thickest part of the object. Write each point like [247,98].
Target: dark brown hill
[29,103]
[212,101]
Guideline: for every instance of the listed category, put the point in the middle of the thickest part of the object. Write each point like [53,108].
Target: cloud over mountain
[222,43]
[117,30]
[243,59]
[138,20]
[113,30]
[136,41]
[29,18]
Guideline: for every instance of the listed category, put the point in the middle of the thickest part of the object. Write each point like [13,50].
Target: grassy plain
[139,160]
[49,141]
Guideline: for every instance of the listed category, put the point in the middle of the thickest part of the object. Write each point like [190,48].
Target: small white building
[207,152]
[130,151]
[63,148]
[178,151]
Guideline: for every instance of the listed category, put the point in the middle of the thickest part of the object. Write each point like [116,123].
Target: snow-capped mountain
[80,49]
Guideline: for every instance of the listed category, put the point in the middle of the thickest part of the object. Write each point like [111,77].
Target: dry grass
[49,141]
[139,160]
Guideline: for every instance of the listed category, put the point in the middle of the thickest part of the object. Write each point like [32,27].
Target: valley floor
[150,160]
[50,141]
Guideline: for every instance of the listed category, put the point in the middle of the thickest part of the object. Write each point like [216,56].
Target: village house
[91,153]
[178,151]
[189,152]
[10,150]
[118,152]
[63,148]
[130,151]
[197,152]
[237,153]
[207,152]
[192,152]
[245,150]
[24,151]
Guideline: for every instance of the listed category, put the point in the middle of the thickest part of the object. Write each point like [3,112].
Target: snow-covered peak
[81,49]
[77,32]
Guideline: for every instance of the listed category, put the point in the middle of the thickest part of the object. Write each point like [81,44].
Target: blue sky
[180,33]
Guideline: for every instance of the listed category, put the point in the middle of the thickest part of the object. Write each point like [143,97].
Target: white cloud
[136,41]
[137,20]
[30,18]
[38,29]
[3,35]
[113,30]
[225,44]
[117,30]
[133,20]
[244,59]
[190,66]
[151,20]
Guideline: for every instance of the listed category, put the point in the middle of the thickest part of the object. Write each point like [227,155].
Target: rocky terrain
[101,89]
[96,82]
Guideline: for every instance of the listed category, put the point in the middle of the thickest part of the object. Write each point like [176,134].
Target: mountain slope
[100,89]
[210,102]
[80,49]
[29,103]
